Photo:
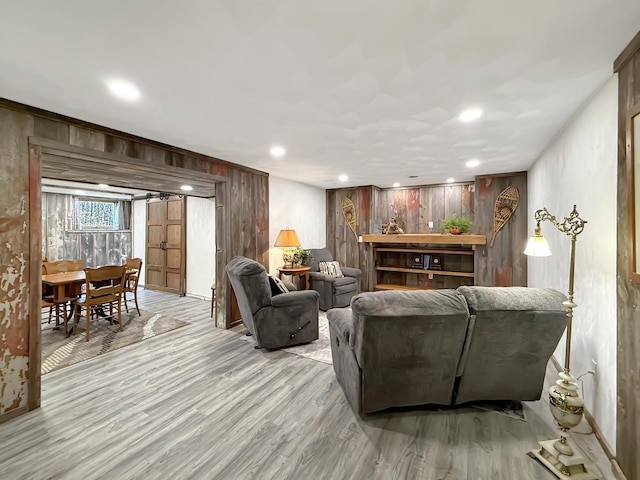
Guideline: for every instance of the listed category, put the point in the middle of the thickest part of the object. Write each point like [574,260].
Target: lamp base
[562,466]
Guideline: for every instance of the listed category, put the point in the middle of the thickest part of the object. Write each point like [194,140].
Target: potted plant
[301,256]
[455,225]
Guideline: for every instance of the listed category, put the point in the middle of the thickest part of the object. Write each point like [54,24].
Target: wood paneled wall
[413,208]
[341,240]
[628,423]
[94,248]
[242,223]
[502,264]
[17,379]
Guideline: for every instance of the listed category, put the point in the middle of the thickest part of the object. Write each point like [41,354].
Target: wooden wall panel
[242,228]
[504,264]
[248,228]
[628,354]
[51,129]
[16,284]
[86,138]
[414,208]
[93,248]
[342,242]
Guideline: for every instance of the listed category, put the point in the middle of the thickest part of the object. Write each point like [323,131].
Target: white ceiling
[369,88]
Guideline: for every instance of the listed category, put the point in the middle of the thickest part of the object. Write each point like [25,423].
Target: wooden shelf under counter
[395,255]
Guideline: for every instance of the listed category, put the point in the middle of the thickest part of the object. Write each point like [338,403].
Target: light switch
[431,276]
[360,238]
[430,224]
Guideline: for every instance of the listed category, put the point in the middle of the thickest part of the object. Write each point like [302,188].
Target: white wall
[139,227]
[201,242]
[201,246]
[298,206]
[580,167]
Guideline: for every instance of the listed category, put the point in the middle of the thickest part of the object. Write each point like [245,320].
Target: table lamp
[567,408]
[288,239]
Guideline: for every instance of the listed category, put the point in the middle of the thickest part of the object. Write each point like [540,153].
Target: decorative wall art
[349,212]
[506,204]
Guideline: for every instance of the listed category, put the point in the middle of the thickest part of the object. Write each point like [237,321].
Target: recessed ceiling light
[186,188]
[450,180]
[103,185]
[473,163]
[343,178]
[124,90]
[277,151]
[396,184]
[470,115]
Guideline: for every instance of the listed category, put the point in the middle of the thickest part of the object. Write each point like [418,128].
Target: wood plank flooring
[201,403]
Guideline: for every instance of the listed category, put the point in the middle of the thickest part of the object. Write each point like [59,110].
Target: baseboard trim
[608,451]
[13,414]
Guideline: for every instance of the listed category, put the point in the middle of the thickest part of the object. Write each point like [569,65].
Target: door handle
[162,245]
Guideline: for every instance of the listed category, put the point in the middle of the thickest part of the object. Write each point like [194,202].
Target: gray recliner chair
[334,291]
[274,321]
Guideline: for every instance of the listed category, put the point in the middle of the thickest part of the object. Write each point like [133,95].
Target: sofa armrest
[341,322]
[298,297]
[290,285]
[351,272]
[321,277]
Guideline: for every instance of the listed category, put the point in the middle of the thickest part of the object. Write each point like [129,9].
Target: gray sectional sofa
[445,347]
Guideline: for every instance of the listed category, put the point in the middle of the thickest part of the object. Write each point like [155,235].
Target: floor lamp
[567,408]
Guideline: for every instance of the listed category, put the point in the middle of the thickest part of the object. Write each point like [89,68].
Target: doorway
[166,245]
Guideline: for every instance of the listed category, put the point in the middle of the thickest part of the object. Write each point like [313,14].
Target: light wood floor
[201,403]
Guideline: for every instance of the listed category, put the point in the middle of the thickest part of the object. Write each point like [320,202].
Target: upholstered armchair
[334,291]
[275,321]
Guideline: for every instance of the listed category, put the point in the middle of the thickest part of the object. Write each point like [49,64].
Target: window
[97,215]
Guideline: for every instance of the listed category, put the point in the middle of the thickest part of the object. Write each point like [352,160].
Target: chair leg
[87,334]
[126,305]
[135,298]
[120,314]
[50,314]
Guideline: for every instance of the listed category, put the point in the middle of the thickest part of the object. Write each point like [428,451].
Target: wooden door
[166,241]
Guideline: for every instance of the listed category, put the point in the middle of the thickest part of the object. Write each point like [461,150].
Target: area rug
[318,350]
[59,352]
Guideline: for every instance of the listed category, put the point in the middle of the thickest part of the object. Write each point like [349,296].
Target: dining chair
[61,266]
[111,279]
[48,300]
[131,283]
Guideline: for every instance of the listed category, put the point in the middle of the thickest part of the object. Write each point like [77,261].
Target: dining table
[67,287]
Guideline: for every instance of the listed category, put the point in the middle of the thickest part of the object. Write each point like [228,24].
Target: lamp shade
[537,246]
[287,238]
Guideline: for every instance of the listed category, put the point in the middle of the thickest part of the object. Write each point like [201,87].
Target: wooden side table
[296,271]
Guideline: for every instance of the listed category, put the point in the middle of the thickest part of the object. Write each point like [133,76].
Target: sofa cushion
[408,344]
[277,286]
[512,333]
[330,268]
[484,299]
